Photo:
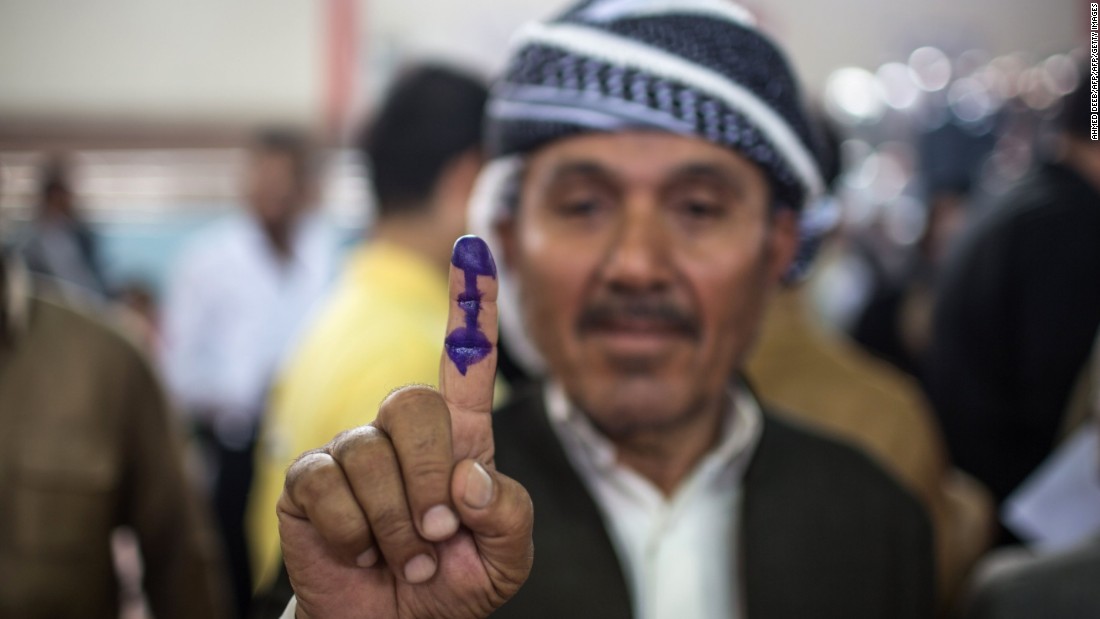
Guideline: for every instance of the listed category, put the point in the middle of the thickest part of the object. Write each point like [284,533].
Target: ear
[784,241]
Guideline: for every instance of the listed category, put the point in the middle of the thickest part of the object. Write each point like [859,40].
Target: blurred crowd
[948,328]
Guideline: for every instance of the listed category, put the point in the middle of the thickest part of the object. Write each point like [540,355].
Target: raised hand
[407,517]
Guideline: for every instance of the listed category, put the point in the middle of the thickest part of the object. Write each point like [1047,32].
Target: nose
[638,255]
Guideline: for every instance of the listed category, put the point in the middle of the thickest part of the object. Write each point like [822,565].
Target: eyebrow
[578,168]
[701,170]
[709,171]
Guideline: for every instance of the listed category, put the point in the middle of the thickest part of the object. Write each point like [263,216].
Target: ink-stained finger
[468,366]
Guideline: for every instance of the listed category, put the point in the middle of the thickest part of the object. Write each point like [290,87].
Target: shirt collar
[740,431]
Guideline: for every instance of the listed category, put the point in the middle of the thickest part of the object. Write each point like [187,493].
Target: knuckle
[408,398]
[427,484]
[424,448]
[348,439]
[306,472]
[392,524]
[519,505]
[313,488]
[349,530]
[424,469]
[360,448]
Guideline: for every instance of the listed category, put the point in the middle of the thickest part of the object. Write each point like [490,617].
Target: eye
[580,207]
[701,209]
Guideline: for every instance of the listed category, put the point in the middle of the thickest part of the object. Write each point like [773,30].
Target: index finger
[467,369]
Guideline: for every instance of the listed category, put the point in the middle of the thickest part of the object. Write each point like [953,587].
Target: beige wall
[234,61]
[161,60]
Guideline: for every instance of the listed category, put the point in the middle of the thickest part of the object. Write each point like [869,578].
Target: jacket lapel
[576,572]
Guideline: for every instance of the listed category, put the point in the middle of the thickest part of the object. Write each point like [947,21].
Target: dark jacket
[1017,315]
[825,533]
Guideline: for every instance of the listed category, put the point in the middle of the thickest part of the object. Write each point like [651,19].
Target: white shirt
[233,308]
[678,553]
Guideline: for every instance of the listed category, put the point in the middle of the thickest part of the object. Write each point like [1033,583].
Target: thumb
[498,512]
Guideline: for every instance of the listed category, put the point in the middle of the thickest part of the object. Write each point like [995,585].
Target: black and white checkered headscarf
[691,67]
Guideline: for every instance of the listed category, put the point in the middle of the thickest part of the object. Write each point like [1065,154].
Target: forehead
[638,157]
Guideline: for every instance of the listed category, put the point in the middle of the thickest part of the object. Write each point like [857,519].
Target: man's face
[275,190]
[644,260]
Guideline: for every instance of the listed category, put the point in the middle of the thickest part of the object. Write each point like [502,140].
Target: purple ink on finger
[467,345]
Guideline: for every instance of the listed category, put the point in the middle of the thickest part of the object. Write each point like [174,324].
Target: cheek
[552,281]
[730,295]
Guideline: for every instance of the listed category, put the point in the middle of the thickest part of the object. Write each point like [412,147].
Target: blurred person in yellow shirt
[382,325]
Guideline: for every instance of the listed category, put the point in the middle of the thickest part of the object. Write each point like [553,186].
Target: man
[234,303]
[424,153]
[1017,313]
[87,446]
[59,246]
[657,159]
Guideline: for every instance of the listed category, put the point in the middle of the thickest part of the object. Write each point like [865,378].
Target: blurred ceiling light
[864,175]
[1060,74]
[853,96]
[901,152]
[1008,69]
[890,179]
[970,100]
[858,211]
[1010,161]
[898,89]
[930,68]
[1035,90]
[970,62]
[994,81]
[853,152]
[904,220]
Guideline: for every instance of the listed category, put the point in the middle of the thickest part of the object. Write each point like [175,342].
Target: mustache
[659,312]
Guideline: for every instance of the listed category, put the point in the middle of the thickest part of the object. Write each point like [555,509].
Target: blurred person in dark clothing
[1017,312]
[88,445]
[423,150]
[896,323]
[1018,583]
[814,374]
[235,301]
[59,243]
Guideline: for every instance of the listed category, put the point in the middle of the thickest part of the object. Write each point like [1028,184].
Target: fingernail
[439,523]
[419,569]
[471,254]
[479,487]
[368,558]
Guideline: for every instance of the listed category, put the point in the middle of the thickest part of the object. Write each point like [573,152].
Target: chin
[635,405]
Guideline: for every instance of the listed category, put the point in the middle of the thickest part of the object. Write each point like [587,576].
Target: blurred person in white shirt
[238,295]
